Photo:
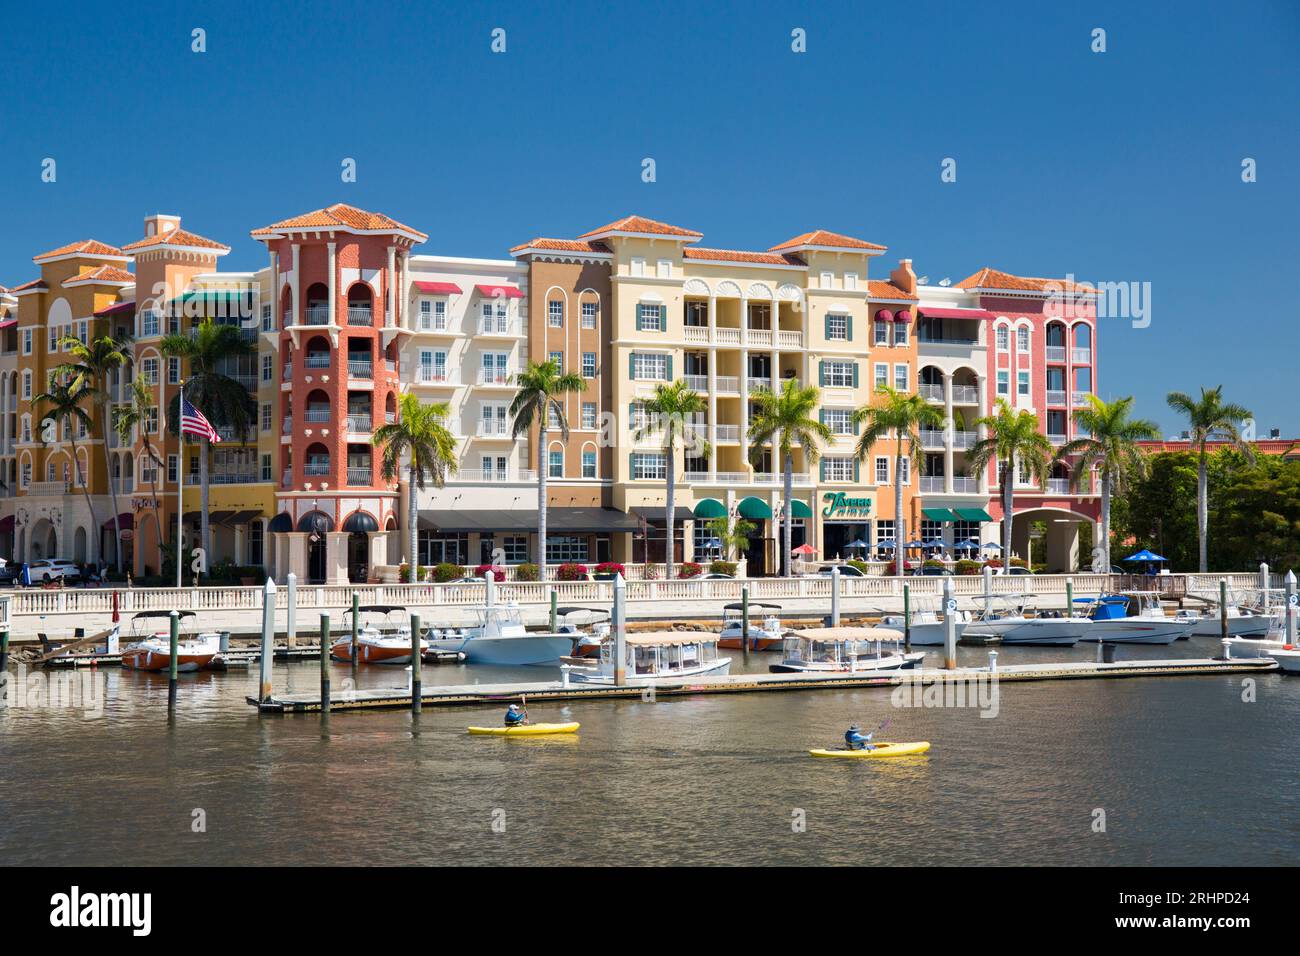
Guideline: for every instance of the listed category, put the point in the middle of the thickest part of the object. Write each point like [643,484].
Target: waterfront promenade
[57,613]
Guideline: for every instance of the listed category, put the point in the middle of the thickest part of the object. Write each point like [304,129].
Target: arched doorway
[359,526]
[316,525]
[79,545]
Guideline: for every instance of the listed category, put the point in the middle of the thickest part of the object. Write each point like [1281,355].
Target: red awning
[439,288]
[492,291]
[118,308]
[6,524]
[8,323]
[903,315]
[884,315]
[957,313]
[125,521]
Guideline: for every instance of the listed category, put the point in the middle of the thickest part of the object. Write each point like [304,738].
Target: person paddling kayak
[515,717]
[855,739]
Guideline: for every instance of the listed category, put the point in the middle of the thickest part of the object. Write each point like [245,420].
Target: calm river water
[1184,770]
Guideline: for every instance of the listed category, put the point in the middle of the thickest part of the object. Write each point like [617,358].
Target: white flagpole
[180,481]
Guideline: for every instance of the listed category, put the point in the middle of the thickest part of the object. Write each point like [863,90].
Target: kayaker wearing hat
[856,740]
[515,717]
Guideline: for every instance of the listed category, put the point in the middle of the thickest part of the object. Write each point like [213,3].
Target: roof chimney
[904,277]
[160,225]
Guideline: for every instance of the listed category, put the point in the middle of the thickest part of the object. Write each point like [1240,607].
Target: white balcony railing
[745,478]
[727,336]
[1058,486]
[360,424]
[493,377]
[964,485]
[434,375]
[965,394]
[695,333]
[493,429]
[1057,439]
[286,426]
[316,468]
[492,475]
[1081,356]
[360,368]
[286,479]
[496,327]
[933,393]
[728,433]
[728,384]
[316,360]
[47,487]
[358,476]
[1079,399]
[1055,396]
[696,383]
[789,340]
[931,484]
[760,337]
[317,414]
[318,315]
[360,315]
[124,485]
[1054,353]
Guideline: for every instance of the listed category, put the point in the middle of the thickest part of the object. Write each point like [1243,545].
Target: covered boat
[845,650]
[657,657]
[1132,617]
[150,646]
[767,636]
[383,636]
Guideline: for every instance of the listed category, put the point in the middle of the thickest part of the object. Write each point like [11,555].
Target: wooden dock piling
[325,663]
[415,663]
[173,666]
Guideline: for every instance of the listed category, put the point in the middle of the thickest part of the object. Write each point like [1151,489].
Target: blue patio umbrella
[992,546]
[713,543]
[1145,555]
[888,544]
[915,543]
[934,543]
[857,544]
[970,544]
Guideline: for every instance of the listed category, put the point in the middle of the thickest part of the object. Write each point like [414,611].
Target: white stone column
[296,282]
[276,317]
[336,557]
[713,399]
[403,292]
[392,287]
[333,285]
[948,431]
[744,403]
[982,432]
[240,542]
[713,319]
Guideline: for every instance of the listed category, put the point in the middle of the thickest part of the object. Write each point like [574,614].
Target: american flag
[193,423]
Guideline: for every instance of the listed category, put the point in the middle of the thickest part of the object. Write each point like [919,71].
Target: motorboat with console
[383,636]
[150,645]
[1013,619]
[1131,617]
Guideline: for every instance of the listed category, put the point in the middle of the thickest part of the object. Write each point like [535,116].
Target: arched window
[360,304]
[318,304]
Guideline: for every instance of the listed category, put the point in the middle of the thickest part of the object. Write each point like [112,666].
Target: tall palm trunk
[112,492]
[205,541]
[413,524]
[1008,511]
[1105,518]
[85,490]
[541,497]
[900,521]
[1203,512]
[157,511]
[670,511]
[788,489]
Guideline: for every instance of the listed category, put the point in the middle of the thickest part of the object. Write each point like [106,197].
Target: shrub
[651,572]
[446,572]
[723,567]
[859,564]
[498,573]
[422,572]
[571,572]
[1017,562]
[967,566]
[610,568]
[690,570]
[994,563]
[526,572]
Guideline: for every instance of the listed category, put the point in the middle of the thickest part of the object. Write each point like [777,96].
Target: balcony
[232,478]
[319,414]
[286,427]
[787,339]
[728,434]
[696,383]
[1079,399]
[47,487]
[965,394]
[316,468]
[500,327]
[727,336]
[695,333]
[1057,439]
[286,479]
[468,475]
[288,373]
[360,315]
[1055,396]
[1055,353]
[965,486]
[434,375]
[123,485]
[493,429]
[933,393]
[493,377]
[760,337]
[287,317]
[359,476]
[318,315]
[360,424]
[932,484]
[1081,356]
[360,368]
[316,360]
[745,478]
[431,323]
[1058,486]
[727,384]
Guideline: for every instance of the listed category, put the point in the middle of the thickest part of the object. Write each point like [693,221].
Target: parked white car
[54,569]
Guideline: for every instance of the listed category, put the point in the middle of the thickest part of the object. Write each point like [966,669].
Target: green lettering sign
[840,505]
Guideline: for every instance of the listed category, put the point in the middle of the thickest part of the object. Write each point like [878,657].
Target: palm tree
[1209,418]
[787,419]
[66,409]
[225,402]
[732,534]
[1013,438]
[421,437]
[540,387]
[135,414]
[92,362]
[1111,446]
[667,414]
[902,413]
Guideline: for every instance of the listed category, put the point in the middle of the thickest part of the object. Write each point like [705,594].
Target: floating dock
[484,694]
[238,657]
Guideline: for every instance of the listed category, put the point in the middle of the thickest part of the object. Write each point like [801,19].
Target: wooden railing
[129,601]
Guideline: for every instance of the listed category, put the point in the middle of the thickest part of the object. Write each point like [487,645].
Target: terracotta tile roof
[563,245]
[339,214]
[86,247]
[735,255]
[993,279]
[34,284]
[822,237]
[176,237]
[107,274]
[642,224]
[879,289]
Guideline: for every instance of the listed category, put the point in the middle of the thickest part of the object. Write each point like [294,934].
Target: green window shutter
[631,365]
[663,318]
[855,374]
[821,372]
[848,327]
[822,463]
[638,318]
[670,368]
[855,469]
[821,415]
[826,326]
[631,465]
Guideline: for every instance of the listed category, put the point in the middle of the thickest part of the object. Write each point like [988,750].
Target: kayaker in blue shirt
[856,740]
[515,717]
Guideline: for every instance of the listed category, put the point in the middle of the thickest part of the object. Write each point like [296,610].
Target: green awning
[973,514]
[755,508]
[799,508]
[938,514]
[710,508]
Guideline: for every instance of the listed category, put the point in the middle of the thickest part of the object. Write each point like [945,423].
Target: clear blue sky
[1122,166]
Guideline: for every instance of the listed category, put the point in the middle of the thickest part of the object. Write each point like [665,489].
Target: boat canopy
[851,634]
[740,606]
[376,609]
[671,638]
[143,614]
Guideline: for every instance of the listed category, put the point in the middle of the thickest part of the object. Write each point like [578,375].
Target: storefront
[491,536]
[847,519]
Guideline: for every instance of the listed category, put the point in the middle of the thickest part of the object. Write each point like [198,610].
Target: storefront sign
[840,505]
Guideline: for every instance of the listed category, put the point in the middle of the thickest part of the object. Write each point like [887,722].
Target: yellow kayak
[880,750]
[527,730]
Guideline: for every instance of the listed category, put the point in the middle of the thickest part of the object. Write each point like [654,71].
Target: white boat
[767,636]
[1289,661]
[1132,617]
[928,628]
[586,644]
[1242,622]
[498,636]
[383,636]
[152,651]
[845,650]
[1255,647]
[655,658]
[1003,618]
